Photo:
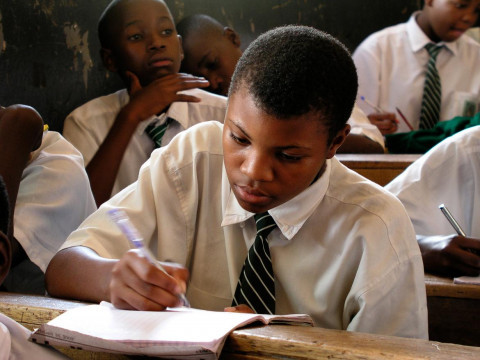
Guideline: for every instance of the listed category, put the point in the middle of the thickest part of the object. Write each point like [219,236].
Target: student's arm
[450,255]
[357,143]
[386,122]
[21,131]
[129,283]
[144,102]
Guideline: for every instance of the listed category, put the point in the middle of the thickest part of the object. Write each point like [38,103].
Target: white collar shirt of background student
[391,67]
[54,197]
[88,125]
[448,174]
[14,344]
[345,251]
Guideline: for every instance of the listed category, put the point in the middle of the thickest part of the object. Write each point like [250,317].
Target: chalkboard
[49,51]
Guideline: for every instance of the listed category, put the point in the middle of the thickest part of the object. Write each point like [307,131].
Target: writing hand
[451,255]
[242,308]
[136,284]
[387,123]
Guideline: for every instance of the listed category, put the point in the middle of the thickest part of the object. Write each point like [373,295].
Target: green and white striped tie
[156,132]
[256,284]
[432,91]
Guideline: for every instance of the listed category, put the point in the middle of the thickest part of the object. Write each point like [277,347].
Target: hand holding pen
[385,121]
[123,222]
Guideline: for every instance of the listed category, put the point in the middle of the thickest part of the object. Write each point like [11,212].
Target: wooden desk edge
[269,341]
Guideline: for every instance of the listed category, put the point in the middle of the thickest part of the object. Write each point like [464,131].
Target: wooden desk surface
[380,168]
[266,342]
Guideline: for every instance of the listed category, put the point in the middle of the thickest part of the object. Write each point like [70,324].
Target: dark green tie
[156,132]
[256,284]
[432,91]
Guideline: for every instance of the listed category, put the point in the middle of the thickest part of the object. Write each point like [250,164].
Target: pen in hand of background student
[156,286]
[385,121]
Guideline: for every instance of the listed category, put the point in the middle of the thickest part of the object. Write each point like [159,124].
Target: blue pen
[130,231]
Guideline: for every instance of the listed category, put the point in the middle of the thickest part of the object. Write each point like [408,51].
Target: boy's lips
[251,195]
[160,62]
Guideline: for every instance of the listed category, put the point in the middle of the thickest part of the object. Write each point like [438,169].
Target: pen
[404,119]
[452,221]
[377,108]
[130,231]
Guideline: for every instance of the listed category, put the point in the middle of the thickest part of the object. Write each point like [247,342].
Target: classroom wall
[49,48]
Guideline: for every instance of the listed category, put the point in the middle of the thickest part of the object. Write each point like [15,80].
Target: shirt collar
[418,39]
[289,216]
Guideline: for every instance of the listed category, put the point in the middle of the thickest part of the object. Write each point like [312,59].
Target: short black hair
[198,22]
[4,208]
[293,70]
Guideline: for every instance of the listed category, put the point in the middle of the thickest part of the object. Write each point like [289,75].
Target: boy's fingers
[242,308]
[187,98]
[134,82]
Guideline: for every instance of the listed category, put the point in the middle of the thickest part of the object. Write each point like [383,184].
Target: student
[14,342]
[212,51]
[48,190]
[344,250]
[139,43]
[392,65]
[448,174]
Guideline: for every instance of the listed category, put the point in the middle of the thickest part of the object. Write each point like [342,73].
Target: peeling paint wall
[49,51]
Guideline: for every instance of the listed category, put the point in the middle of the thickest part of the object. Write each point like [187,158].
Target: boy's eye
[289,157]
[212,64]
[167,32]
[134,37]
[238,139]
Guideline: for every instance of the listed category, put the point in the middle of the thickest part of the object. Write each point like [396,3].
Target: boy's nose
[156,42]
[257,167]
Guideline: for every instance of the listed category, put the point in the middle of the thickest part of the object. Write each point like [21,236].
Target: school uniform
[392,63]
[88,125]
[54,197]
[344,250]
[447,174]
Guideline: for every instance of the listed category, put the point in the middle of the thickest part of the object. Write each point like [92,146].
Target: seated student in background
[394,66]
[448,174]
[140,44]
[212,51]
[14,342]
[48,190]
[343,250]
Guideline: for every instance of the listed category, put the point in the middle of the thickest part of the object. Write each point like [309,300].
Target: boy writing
[424,67]
[212,51]
[140,43]
[48,190]
[341,248]
[447,174]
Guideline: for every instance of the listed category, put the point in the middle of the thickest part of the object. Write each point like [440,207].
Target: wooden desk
[267,342]
[380,168]
[453,311]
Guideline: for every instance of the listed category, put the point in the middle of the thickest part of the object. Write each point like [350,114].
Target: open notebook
[180,333]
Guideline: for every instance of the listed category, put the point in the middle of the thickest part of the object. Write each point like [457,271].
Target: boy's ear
[108,59]
[182,54]
[338,141]
[232,36]
[5,256]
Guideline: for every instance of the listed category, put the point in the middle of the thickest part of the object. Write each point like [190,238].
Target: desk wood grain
[380,168]
[266,342]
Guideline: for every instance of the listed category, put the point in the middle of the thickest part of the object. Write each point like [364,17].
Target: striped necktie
[432,91]
[256,285]
[156,132]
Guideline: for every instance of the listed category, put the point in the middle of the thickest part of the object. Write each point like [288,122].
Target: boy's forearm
[79,273]
[102,170]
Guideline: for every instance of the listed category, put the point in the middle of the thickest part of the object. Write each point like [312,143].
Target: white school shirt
[14,344]
[345,253]
[361,125]
[88,125]
[54,197]
[447,174]
[391,66]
